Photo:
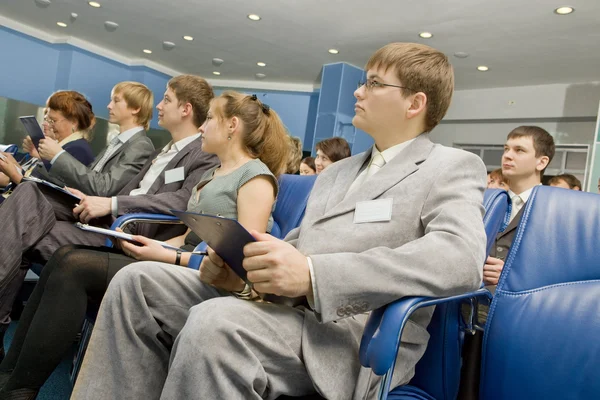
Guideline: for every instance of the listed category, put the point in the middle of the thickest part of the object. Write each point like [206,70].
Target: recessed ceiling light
[61,24]
[110,26]
[190,38]
[564,10]
[426,35]
[254,17]
[147,51]
[482,68]
[333,51]
[94,4]
[216,73]
[260,76]
[261,64]
[168,45]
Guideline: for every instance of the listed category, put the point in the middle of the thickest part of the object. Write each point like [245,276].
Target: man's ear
[135,111]
[187,109]
[542,163]
[417,106]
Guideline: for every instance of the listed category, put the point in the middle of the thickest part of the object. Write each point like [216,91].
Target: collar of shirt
[524,195]
[71,138]
[179,145]
[125,136]
[391,152]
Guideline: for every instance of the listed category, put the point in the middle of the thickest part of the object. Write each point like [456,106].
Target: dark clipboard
[68,195]
[33,129]
[225,236]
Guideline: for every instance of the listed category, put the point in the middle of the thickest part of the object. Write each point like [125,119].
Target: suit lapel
[159,182]
[124,146]
[513,224]
[390,174]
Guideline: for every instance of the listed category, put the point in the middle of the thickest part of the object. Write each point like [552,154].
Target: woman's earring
[228,137]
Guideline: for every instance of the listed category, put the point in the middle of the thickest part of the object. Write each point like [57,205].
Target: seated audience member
[165,182]
[250,142]
[68,121]
[329,151]
[566,181]
[295,155]
[496,180]
[196,337]
[307,166]
[527,153]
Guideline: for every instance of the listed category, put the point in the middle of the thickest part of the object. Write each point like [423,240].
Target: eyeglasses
[51,121]
[370,84]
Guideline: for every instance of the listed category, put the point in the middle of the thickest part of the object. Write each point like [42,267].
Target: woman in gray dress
[252,145]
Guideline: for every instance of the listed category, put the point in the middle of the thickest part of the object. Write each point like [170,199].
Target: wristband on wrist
[178,258]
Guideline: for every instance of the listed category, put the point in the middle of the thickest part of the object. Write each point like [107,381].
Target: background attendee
[307,166]
[329,151]
[496,180]
[241,131]
[195,339]
[295,155]
[566,181]
[68,120]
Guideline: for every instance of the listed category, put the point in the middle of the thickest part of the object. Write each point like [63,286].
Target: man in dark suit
[527,153]
[165,182]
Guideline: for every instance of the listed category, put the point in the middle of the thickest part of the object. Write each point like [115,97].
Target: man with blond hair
[402,219]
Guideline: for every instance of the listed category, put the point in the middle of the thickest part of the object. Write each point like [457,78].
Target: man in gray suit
[165,182]
[403,219]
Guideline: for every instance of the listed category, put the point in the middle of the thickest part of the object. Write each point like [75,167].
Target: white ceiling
[522,41]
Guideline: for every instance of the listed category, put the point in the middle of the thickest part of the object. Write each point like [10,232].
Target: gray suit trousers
[189,340]
[34,220]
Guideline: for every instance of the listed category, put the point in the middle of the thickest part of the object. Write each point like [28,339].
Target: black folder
[225,236]
[33,129]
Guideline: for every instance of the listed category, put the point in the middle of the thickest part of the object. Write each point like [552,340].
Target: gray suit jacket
[119,170]
[163,197]
[434,245]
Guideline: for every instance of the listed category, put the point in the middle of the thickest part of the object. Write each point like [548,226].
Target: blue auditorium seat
[437,374]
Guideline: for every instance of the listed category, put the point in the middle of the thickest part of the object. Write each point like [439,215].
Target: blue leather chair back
[543,329]
[9,148]
[294,191]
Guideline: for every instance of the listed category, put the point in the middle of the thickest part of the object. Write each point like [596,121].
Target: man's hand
[492,270]
[30,148]
[91,207]
[10,167]
[276,267]
[48,148]
[215,272]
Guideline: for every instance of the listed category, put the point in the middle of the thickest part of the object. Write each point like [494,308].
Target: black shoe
[19,394]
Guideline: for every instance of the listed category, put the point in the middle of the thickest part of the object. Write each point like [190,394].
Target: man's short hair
[422,69]
[571,180]
[543,142]
[335,148]
[137,95]
[196,91]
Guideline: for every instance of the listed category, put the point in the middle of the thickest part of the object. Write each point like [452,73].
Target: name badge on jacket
[174,175]
[373,211]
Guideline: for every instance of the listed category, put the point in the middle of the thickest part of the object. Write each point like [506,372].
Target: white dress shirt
[158,165]
[518,201]
[388,155]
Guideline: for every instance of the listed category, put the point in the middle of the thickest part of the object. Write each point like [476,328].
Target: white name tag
[174,175]
[373,211]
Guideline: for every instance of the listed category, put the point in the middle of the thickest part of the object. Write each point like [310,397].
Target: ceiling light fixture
[147,51]
[261,64]
[61,24]
[461,54]
[564,10]
[217,62]
[426,35]
[333,51]
[42,3]
[216,73]
[188,38]
[482,68]
[168,45]
[94,4]
[110,26]
[254,17]
[260,76]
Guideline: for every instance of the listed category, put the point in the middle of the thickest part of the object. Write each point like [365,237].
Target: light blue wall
[32,69]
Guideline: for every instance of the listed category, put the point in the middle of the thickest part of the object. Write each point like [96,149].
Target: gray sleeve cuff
[314,304]
[56,157]
[114,206]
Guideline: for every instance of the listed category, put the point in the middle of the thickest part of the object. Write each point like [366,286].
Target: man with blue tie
[403,219]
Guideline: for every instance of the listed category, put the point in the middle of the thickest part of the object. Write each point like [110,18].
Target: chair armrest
[124,220]
[381,337]
[196,259]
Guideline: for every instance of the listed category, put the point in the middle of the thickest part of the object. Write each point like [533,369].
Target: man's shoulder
[444,156]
